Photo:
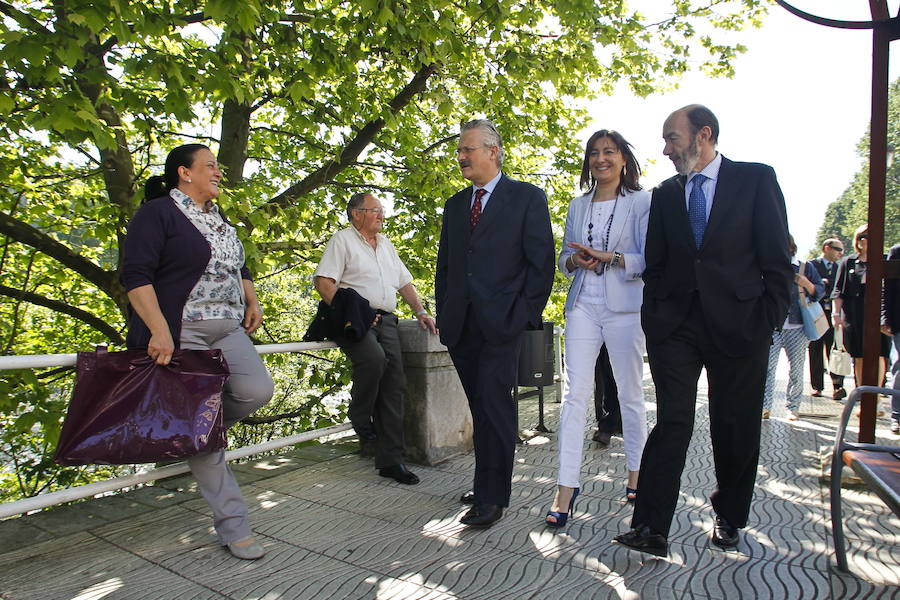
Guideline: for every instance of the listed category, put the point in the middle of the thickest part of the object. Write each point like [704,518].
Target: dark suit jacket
[830,275]
[347,319]
[742,271]
[504,268]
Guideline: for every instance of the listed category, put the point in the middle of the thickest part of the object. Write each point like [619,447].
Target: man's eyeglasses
[837,248]
[377,211]
[466,150]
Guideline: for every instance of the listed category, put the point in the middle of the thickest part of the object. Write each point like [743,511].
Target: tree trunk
[234,140]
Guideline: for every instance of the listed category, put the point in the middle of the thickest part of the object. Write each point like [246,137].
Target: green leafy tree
[303,101]
[851,209]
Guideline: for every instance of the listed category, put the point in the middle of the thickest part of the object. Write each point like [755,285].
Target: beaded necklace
[605,239]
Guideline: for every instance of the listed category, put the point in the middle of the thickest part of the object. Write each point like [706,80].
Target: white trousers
[588,327]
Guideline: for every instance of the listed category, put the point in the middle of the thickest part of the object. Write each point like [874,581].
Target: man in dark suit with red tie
[494,273]
[716,285]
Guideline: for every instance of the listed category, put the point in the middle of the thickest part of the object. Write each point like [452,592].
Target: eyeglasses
[837,248]
[377,211]
[468,149]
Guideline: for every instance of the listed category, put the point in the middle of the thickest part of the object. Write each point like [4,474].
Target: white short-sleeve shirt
[374,273]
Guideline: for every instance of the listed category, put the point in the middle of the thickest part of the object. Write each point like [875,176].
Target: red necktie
[476,207]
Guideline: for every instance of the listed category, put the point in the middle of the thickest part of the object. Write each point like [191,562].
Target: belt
[378,311]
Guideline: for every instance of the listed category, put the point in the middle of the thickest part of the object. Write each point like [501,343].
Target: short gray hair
[491,136]
[355,201]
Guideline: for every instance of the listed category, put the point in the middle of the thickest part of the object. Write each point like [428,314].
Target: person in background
[890,324]
[361,258]
[820,350]
[792,338]
[188,287]
[606,401]
[847,304]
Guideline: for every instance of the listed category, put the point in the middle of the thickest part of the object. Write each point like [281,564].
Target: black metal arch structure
[885,29]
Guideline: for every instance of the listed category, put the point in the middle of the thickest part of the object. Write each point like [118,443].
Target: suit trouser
[794,342]
[248,388]
[606,396]
[488,372]
[378,388]
[735,404]
[819,353]
[588,327]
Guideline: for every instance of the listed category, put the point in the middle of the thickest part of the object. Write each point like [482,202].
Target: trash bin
[536,357]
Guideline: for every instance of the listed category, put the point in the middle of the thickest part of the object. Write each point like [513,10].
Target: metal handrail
[40,361]
[36,361]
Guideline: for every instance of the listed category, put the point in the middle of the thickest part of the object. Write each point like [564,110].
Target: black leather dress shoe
[400,474]
[482,516]
[468,498]
[724,534]
[644,539]
[602,437]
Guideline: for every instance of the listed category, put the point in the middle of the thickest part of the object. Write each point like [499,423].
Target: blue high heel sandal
[562,517]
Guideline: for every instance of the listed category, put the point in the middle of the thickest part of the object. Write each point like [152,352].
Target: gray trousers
[248,388]
[378,385]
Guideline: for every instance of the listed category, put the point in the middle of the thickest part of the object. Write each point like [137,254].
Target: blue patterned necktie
[697,208]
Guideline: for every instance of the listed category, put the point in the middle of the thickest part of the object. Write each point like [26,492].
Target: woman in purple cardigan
[189,287]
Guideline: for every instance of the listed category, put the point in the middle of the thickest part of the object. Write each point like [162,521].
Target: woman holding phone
[603,251]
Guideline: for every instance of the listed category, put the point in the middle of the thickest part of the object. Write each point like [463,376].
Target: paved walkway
[334,529]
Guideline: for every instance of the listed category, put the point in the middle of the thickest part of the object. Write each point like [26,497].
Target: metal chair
[877,465]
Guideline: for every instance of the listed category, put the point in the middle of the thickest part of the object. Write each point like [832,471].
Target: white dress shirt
[374,273]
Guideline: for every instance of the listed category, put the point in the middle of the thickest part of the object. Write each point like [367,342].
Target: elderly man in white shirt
[361,258]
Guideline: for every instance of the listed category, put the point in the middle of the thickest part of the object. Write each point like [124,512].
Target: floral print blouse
[219,293]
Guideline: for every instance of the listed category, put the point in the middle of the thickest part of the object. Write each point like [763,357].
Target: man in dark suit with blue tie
[716,285]
[494,273]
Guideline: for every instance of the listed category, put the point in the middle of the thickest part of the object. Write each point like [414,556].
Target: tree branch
[354,147]
[289,246]
[362,186]
[97,323]
[440,142]
[302,411]
[23,19]
[24,233]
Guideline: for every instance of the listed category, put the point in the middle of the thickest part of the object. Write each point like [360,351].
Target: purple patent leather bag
[127,409]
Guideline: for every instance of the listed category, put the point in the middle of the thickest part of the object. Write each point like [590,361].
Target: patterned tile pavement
[334,529]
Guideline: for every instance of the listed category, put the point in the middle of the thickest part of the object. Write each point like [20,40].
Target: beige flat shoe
[765,414]
[247,549]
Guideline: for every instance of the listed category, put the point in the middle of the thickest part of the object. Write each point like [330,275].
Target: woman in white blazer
[603,250]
